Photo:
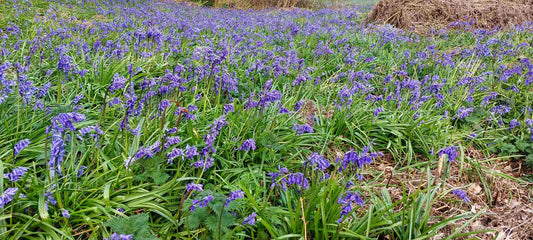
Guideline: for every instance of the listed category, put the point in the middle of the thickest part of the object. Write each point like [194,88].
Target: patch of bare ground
[310,111]
[493,186]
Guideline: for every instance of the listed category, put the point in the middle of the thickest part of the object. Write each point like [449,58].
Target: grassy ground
[160,119]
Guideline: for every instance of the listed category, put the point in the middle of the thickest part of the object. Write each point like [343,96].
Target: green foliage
[217,218]
[136,225]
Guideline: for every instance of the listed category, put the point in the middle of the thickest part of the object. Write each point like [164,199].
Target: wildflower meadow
[137,119]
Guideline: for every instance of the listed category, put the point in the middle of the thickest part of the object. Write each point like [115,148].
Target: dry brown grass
[424,14]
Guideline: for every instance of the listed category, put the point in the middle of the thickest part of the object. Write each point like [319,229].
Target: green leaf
[529,160]
[196,217]
[137,226]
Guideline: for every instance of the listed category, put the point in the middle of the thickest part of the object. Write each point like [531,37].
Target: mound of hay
[422,15]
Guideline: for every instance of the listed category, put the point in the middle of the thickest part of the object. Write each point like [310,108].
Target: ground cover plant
[164,120]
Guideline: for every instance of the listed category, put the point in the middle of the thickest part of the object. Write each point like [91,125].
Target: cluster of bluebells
[73,49]
[238,194]
[284,179]
[201,203]
[347,201]
[451,152]
[301,129]
[116,236]
[250,219]
[353,160]
[7,196]
[461,194]
[16,174]
[191,187]
[247,145]
[60,125]
[20,146]
[316,161]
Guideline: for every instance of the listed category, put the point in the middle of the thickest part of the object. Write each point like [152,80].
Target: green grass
[149,199]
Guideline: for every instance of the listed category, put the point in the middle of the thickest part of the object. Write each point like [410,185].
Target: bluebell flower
[176,152]
[248,145]
[346,201]
[304,128]
[514,123]
[7,196]
[116,236]
[228,108]
[201,203]
[65,213]
[21,145]
[463,112]
[461,194]
[191,151]
[238,194]
[169,141]
[204,162]
[117,83]
[451,152]
[194,187]
[317,161]
[250,219]
[16,174]
[81,171]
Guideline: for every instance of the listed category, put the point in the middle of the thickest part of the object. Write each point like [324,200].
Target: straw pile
[423,15]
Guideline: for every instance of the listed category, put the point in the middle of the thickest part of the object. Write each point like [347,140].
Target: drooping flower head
[451,152]
[247,145]
[7,196]
[21,145]
[461,194]
[238,194]
[250,219]
[317,161]
[16,174]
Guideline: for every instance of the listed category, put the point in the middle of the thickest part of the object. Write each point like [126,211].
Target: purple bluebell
[65,213]
[194,187]
[237,194]
[378,110]
[513,124]
[301,129]
[117,83]
[169,141]
[247,145]
[20,146]
[16,174]
[129,161]
[191,151]
[116,236]
[176,152]
[461,194]
[463,112]
[163,105]
[295,179]
[346,201]
[250,219]
[228,108]
[298,105]
[81,171]
[317,161]
[201,203]
[204,163]
[451,152]
[7,196]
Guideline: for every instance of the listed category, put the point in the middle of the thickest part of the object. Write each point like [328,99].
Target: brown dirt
[422,15]
[509,209]
[309,111]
